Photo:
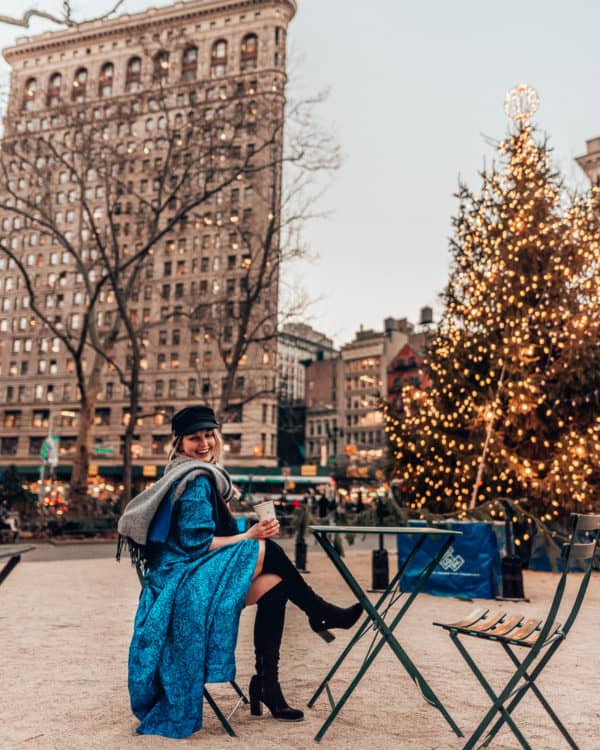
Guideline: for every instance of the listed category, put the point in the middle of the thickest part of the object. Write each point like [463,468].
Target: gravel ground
[66,626]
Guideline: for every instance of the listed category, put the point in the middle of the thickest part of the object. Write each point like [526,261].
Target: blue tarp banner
[470,568]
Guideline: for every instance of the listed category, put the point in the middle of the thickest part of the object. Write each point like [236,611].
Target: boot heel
[255,706]
[326,635]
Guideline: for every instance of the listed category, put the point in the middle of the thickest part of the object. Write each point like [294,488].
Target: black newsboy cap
[193,418]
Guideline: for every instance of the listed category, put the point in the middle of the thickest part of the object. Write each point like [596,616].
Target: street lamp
[49,452]
[332,434]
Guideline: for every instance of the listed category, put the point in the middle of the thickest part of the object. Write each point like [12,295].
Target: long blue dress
[187,621]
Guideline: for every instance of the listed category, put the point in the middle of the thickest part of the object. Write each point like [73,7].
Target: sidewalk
[66,626]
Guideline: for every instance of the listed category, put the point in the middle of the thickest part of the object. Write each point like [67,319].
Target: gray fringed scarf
[137,517]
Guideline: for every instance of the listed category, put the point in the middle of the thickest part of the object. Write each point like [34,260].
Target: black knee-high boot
[321,614]
[268,630]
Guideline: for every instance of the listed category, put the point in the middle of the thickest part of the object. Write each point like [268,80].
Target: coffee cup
[265,510]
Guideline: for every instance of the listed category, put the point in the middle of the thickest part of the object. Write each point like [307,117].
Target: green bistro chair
[538,640]
[224,719]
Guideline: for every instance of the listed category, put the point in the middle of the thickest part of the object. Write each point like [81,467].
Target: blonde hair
[176,441]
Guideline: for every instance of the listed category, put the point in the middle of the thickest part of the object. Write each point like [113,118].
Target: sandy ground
[65,629]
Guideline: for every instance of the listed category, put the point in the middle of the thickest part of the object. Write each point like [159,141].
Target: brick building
[138,82]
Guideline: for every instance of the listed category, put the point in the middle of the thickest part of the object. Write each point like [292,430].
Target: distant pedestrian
[323,505]
[360,506]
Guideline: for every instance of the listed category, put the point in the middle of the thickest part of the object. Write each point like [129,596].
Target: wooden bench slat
[467,621]
[536,634]
[488,623]
[526,628]
[508,624]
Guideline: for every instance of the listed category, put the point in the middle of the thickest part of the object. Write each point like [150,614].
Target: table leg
[358,635]
[387,635]
[365,624]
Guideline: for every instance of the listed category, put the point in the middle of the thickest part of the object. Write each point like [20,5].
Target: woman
[199,574]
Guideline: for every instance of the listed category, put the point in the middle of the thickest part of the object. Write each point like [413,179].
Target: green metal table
[376,613]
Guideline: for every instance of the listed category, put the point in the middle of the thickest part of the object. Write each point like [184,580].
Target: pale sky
[416,92]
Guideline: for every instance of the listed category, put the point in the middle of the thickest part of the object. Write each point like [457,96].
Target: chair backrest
[581,547]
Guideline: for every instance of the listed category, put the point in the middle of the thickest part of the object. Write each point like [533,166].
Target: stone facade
[590,161]
[324,433]
[298,345]
[202,56]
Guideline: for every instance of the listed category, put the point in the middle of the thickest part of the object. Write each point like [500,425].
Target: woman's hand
[263,529]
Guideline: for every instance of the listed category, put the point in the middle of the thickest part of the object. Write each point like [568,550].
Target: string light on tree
[514,406]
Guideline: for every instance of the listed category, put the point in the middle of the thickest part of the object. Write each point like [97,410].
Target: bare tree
[111,188]
[65,18]
[242,316]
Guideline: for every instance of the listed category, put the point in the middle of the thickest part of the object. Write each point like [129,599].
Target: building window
[67,445]
[232,444]
[161,416]
[192,387]
[12,419]
[172,388]
[53,95]
[102,417]
[134,75]
[8,446]
[189,63]
[159,389]
[160,445]
[249,52]
[29,94]
[35,445]
[233,413]
[79,85]
[40,418]
[160,66]
[105,82]
[218,59]
[68,418]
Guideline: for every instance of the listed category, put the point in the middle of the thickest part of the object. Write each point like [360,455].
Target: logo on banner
[452,562]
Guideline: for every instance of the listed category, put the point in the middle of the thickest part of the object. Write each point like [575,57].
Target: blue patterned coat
[187,620]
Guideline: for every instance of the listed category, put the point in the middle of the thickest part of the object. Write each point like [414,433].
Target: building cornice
[125,25]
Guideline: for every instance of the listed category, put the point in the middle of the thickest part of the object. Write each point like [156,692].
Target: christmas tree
[514,406]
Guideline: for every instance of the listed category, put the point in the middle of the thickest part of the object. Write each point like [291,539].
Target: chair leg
[530,684]
[219,714]
[239,691]
[497,700]
[11,563]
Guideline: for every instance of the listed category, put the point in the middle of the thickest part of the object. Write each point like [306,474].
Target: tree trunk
[128,438]
[78,497]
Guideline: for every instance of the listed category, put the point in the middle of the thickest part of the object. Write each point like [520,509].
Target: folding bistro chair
[224,719]
[539,639]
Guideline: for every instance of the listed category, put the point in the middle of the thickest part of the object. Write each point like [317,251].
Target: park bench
[12,555]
